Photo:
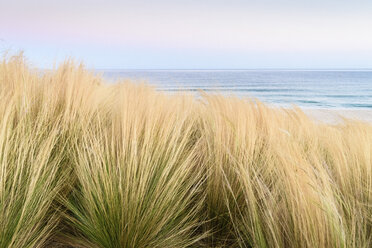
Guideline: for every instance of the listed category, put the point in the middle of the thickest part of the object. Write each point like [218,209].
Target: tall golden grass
[85,163]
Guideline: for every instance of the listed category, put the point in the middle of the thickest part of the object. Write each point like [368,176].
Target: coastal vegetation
[88,163]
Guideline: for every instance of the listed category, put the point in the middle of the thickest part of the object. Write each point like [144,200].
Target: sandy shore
[335,116]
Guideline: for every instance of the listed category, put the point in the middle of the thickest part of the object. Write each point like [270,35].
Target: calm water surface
[307,89]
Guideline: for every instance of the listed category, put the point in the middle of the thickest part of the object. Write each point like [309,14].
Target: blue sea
[307,89]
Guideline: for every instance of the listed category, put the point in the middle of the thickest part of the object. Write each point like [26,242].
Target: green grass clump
[85,163]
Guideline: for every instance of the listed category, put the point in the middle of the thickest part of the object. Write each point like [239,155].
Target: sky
[190,34]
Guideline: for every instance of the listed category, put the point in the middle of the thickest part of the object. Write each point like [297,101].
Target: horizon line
[230,69]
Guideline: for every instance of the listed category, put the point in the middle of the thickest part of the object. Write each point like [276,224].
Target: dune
[85,163]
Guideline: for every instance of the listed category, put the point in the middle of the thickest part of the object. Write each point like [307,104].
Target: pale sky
[181,34]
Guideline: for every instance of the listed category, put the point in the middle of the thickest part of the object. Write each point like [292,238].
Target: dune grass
[85,163]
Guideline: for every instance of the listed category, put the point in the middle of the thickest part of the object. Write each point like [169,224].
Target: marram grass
[85,163]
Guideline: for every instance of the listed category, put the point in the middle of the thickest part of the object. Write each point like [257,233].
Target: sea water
[335,89]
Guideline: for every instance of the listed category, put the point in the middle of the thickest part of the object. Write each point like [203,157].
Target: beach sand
[336,116]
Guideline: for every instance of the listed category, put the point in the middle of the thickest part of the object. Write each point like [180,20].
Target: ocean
[307,89]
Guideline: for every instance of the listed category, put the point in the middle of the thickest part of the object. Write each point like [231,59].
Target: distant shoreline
[334,116]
